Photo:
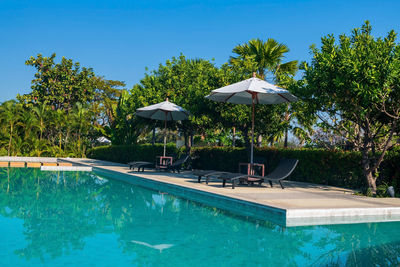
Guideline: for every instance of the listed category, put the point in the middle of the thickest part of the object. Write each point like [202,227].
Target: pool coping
[67,168]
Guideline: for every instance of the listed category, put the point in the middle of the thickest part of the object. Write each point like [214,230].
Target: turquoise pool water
[81,219]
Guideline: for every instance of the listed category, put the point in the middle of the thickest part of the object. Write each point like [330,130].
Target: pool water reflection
[72,218]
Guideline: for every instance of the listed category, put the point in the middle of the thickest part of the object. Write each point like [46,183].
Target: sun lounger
[139,165]
[133,164]
[206,174]
[282,171]
[234,178]
[177,165]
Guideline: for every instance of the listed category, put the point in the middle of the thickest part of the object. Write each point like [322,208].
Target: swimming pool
[76,218]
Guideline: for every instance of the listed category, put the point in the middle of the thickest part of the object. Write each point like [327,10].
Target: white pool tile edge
[29,159]
[66,168]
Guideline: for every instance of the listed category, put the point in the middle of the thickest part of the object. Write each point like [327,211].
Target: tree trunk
[287,118]
[190,142]
[185,136]
[234,136]
[60,137]
[153,140]
[41,129]
[247,140]
[10,141]
[285,144]
[371,180]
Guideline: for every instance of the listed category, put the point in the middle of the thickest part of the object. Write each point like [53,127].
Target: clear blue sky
[118,39]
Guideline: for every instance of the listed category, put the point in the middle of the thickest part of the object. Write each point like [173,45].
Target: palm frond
[268,55]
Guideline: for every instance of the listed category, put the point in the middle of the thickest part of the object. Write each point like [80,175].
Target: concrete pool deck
[298,204]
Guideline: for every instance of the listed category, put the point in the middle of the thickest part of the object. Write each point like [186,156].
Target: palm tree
[9,115]
[28,126]
[81,123]
[41,112]
[268,56]
[39,147]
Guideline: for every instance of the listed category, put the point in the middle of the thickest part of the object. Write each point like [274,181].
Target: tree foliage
[41,131]
[183,81]
[186,82]
[68,107]
[268,56]
[62,84]
[353,85]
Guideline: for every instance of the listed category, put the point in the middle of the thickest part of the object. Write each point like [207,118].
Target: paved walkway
[302,203]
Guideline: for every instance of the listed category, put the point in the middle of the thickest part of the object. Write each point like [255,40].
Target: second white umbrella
[164,111]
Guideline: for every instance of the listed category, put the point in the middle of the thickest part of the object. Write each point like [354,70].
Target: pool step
[66,168]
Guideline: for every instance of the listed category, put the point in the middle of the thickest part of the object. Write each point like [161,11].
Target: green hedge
[336,168]
[315,165]
[390,169]
[127,153]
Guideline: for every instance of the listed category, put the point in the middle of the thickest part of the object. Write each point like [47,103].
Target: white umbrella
[164,111]
[250,92]
[104,140]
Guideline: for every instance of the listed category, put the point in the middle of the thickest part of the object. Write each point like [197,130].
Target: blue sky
[119,39]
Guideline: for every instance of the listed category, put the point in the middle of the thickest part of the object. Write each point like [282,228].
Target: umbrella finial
[166,99]
[254,74]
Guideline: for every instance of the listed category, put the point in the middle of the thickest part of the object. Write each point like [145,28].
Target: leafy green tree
[298,119]
[105,101]
[62,84]
[67,109]
[353,85]
[125,127]
[185,82]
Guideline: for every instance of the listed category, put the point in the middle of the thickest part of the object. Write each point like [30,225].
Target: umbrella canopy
[250,92]
[164,111]
[253,90]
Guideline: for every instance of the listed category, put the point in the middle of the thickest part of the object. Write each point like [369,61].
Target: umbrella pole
[252,131]
[165,133]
